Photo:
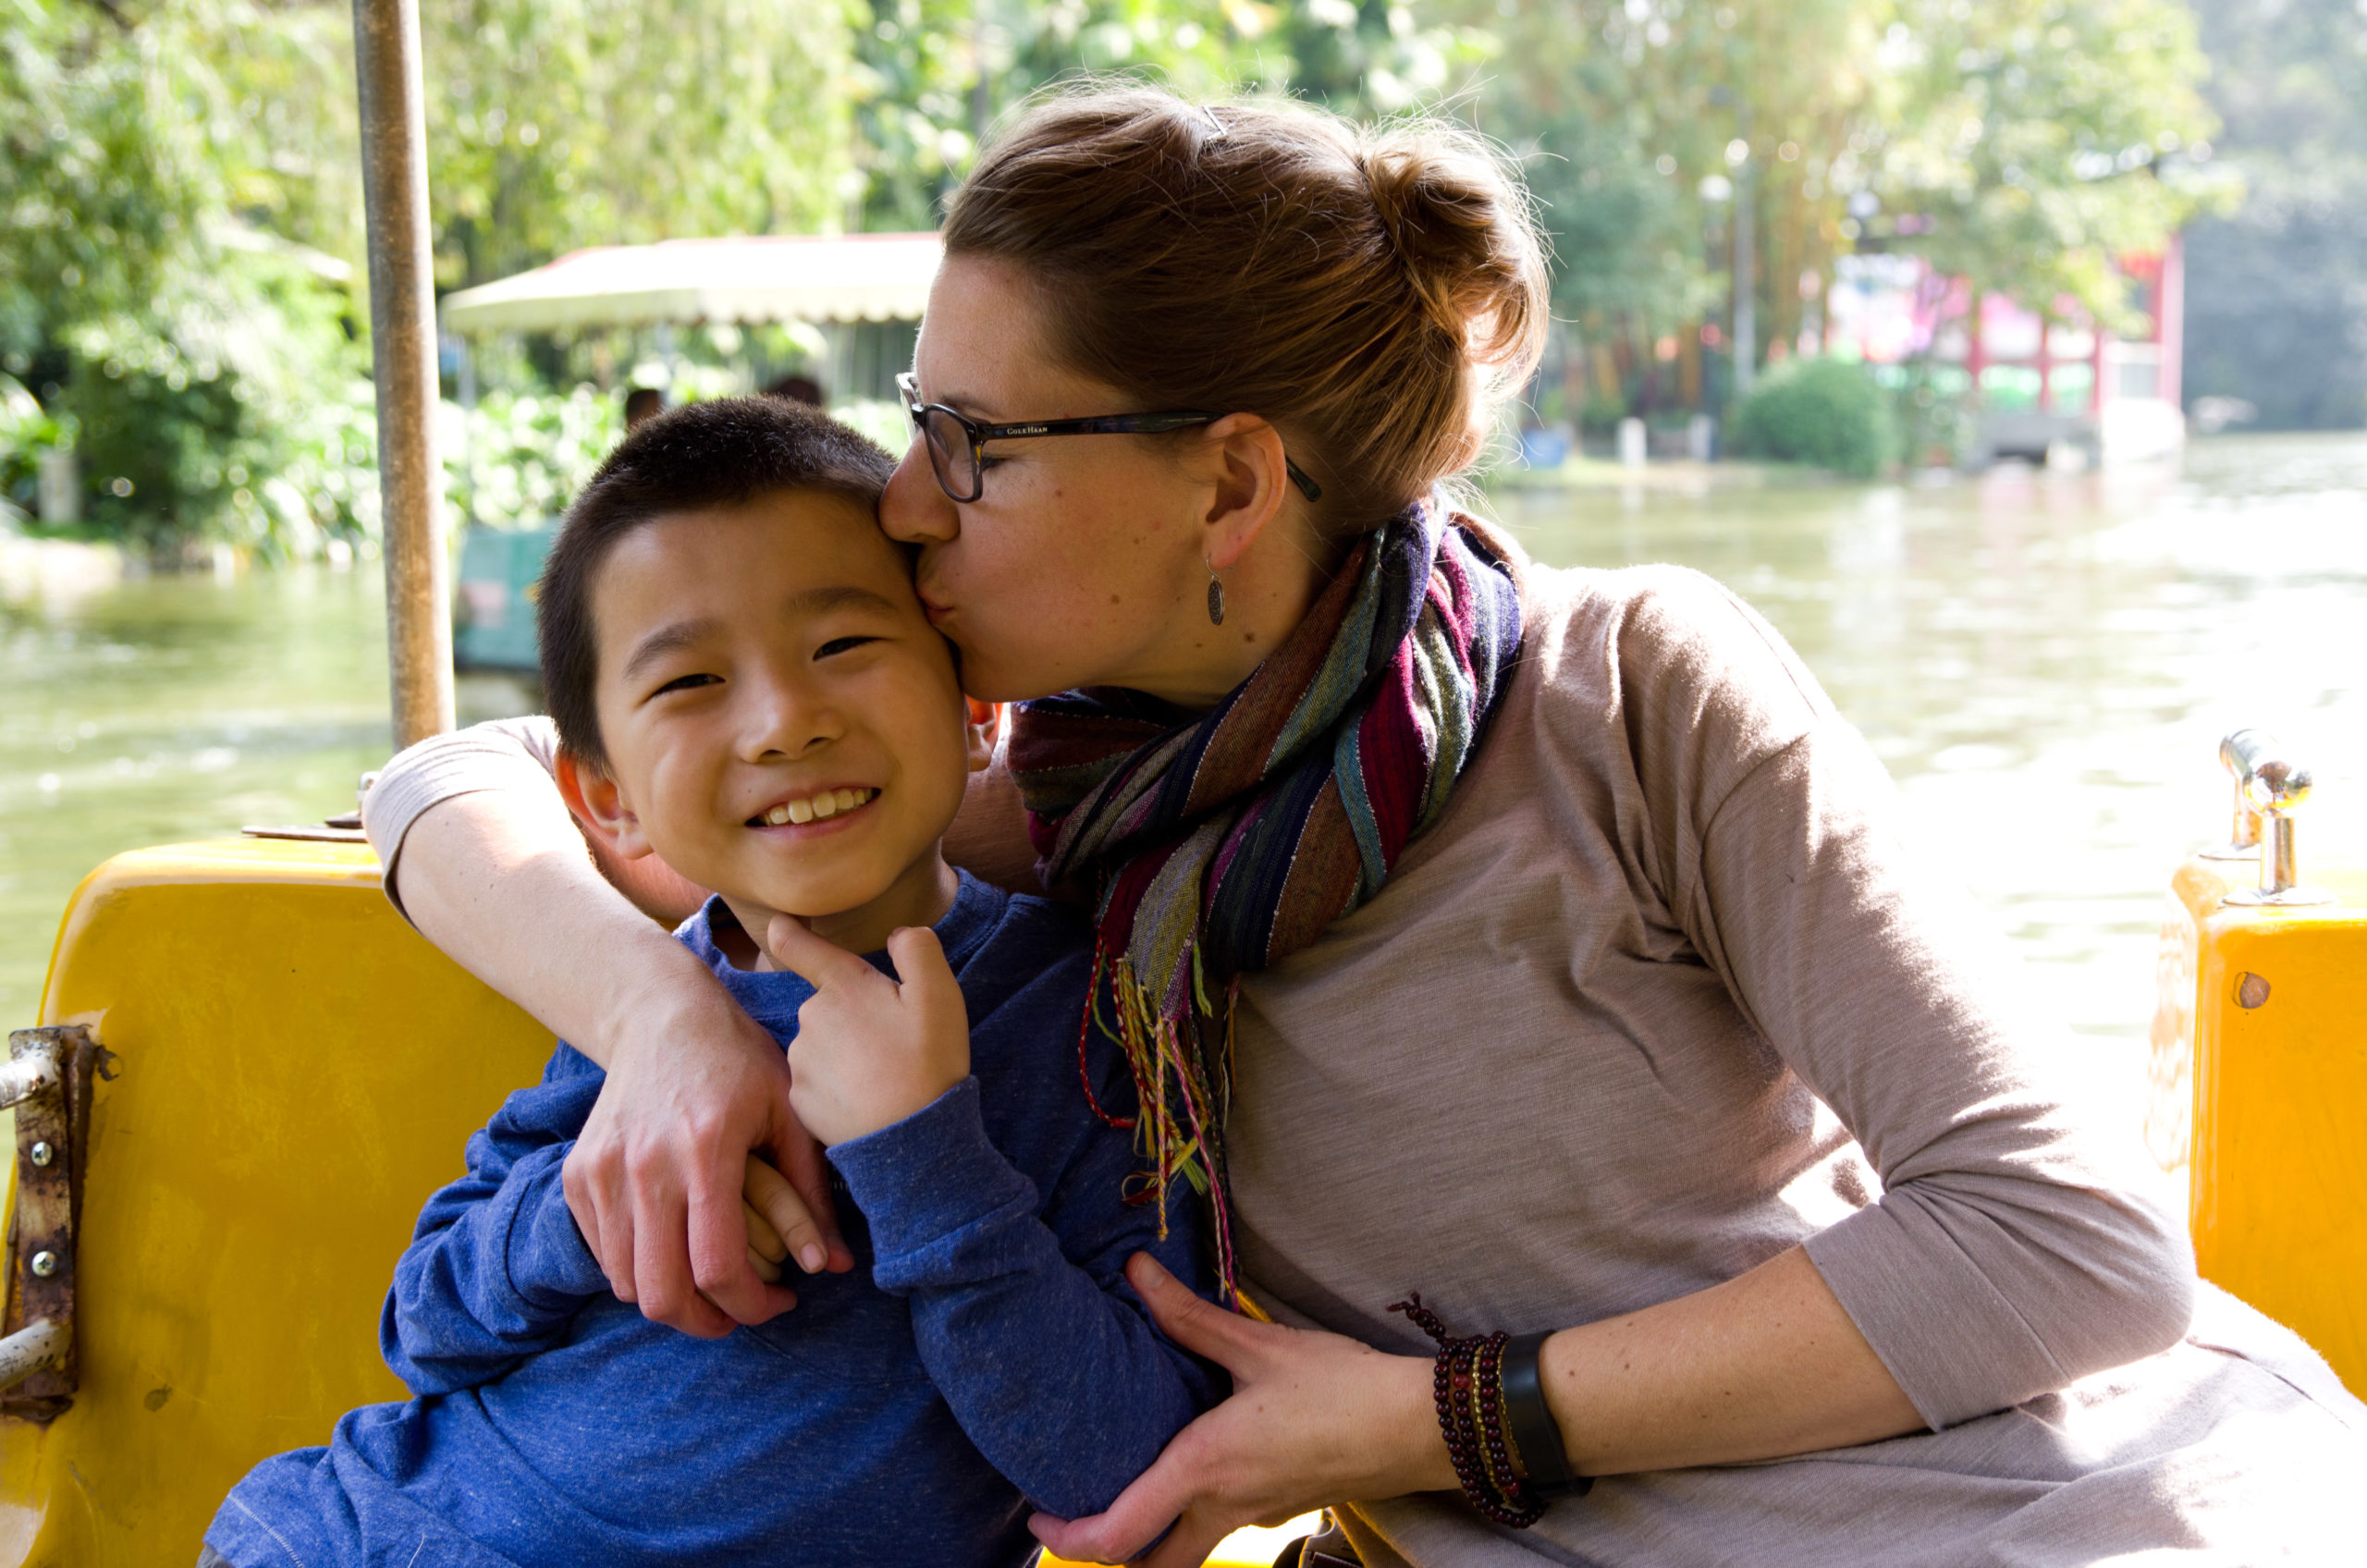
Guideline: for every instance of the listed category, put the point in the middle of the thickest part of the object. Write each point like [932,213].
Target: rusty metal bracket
[48,1078]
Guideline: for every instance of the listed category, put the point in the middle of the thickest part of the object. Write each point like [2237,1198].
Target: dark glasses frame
[978,434]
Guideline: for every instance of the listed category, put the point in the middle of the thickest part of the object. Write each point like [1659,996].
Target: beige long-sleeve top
[1661,995]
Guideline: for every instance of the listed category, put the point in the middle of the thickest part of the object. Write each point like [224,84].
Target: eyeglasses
[957,444]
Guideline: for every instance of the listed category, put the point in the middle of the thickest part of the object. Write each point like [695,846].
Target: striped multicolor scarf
[1221,843]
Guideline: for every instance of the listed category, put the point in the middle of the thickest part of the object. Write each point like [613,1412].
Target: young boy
[744,685]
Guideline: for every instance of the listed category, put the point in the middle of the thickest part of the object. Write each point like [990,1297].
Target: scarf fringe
[1182,1098]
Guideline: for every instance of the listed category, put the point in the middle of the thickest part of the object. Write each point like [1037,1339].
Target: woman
[1551,924]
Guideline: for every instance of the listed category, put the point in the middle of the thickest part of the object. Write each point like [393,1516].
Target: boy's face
[782,724]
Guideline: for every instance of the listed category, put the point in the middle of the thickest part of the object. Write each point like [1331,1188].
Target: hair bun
[1376,294]
[1458,226]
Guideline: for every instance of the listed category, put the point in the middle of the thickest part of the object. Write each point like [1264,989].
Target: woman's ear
[1243,459]
[599,808]
[985,723]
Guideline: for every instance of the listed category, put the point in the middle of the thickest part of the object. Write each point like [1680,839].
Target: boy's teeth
[829,803]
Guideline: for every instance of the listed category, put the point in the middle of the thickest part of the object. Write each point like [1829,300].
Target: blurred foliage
[1829,412]
[556,124]
[26,432]
[168,181]
[516,459]
[935,75]
[2038,140]
[2021,143]
[180,294]
[2277,292]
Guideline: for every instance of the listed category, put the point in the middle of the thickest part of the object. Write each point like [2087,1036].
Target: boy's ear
[600,807]
[985,725]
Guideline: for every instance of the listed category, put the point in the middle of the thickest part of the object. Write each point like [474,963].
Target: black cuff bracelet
[1545,1464]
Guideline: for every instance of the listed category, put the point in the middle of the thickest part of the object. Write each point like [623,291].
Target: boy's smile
[781,723]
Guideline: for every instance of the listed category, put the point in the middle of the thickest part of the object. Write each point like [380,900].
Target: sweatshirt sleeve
[2011,1251]
[1048,1359]
[510,754]
[497,1270]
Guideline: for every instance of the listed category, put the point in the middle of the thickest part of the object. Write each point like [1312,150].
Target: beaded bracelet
[1468,1386]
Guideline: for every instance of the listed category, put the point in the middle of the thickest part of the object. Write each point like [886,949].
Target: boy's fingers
[762,1240]
[767,1269]
[820,963]
[798,1156]
[921,968]
[777,1207]
[928,991]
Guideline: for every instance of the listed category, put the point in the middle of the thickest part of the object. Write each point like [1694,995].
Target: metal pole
[402,344]
[1745,260]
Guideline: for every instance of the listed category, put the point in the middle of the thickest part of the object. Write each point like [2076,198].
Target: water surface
[148,710]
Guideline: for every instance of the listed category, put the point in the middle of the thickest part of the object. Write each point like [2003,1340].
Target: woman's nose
[914,510]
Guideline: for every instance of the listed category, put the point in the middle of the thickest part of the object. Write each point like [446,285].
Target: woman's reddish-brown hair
[1374,292]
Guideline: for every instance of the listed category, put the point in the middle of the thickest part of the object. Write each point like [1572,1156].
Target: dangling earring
[1216,599]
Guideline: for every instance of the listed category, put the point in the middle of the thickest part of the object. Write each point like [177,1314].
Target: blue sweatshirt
[985,1354]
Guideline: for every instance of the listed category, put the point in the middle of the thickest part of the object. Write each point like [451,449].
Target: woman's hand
[656,1180]
[1313,1419]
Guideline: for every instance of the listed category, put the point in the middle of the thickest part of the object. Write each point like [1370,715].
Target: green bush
[27,430]
[1829,412]
[517,459]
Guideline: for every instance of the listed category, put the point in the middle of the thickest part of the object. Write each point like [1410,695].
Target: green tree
[181,190]
[169,189]
[556,124]
[2276,297]
[2036,140]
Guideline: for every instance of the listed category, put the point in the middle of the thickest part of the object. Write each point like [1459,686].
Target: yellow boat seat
[295,1070]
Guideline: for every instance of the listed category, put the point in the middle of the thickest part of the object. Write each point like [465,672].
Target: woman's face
[1080,563]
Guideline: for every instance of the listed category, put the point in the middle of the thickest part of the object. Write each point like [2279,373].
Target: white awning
[750,278]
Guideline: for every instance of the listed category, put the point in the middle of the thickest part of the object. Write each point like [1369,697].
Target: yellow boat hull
[2259,1068]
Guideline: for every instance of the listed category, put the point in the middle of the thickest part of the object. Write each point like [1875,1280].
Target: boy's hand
[870,1050]
[779,1225]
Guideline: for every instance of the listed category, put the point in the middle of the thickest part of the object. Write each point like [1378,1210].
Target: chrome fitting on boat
[2273,787]
[2237,754]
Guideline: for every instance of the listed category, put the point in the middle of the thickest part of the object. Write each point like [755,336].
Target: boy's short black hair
[724,453]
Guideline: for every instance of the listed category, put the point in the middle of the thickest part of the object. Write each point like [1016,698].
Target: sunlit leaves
[555,124]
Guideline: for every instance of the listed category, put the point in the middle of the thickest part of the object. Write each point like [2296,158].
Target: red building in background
[2043,383]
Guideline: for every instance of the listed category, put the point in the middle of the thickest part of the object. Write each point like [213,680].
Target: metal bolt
[42,1154]
[44,1264]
